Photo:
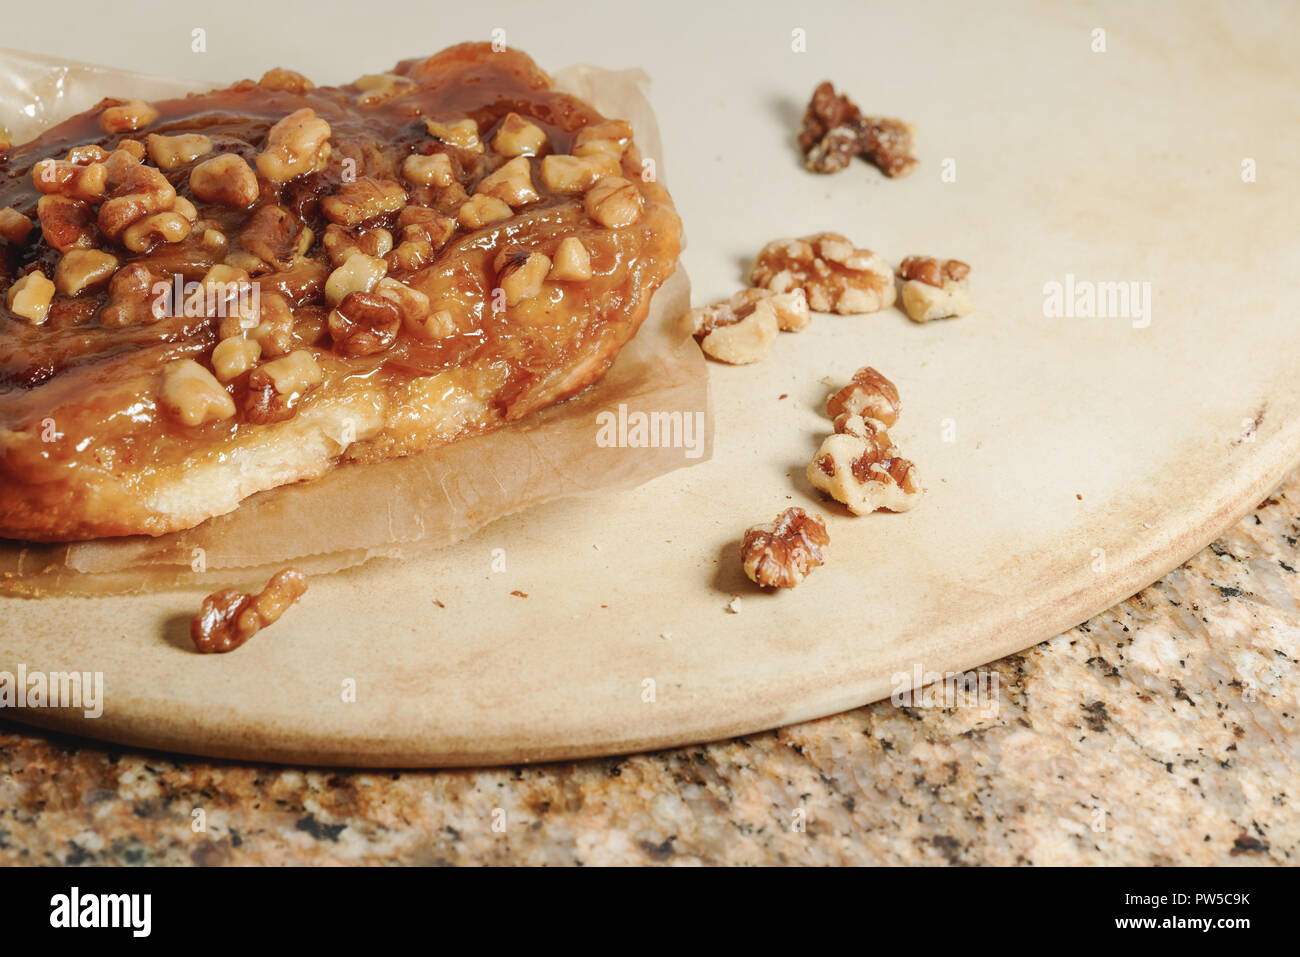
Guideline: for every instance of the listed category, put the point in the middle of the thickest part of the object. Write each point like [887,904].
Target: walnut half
[782,554]
[230,617]
[834,275]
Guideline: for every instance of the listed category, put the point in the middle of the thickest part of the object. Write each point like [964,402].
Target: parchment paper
[427,500]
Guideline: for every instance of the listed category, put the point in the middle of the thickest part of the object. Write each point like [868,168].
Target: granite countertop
[1162,731]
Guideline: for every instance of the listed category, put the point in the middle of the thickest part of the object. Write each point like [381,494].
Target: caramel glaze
[81,436]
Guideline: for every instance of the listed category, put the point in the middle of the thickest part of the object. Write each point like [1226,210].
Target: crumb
[733,606]
[439,604]
[519,594]
[783,395]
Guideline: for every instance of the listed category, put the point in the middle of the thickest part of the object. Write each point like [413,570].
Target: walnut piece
[572,261]
[362,200]
[859,465]
[512,183]
[169,152]
[14,226]
[743,329]
[193,394]
[834,131]
[126,117]
[364,324]
[868,394]
[521,273]
[933,289]
[66,223]
[30,297]
[83,269]
[229,617]
[782,554]
[295,145]
[227,180]
[287,80]
[835,276]
[614,202]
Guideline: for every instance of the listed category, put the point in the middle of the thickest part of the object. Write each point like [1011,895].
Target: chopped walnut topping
[341,243]
[277,388]
[521,273]
[142,236]
[81,269]
[131,299]
[832,273]
[359,273]
[224,286]
[129,154]
[518,137]
[512,183]
[127,117]
[14,226]
[297,144]
[362,200]
[296,372]
[227,180]
[287,80]
[364,324]
[274,331]
[783,553]
[834,131]
[193,394]
[30,297]
[435,170]
[575,174]
[86,154]
[868,394]
[232,357]
[142,192]
[462,134]
[934,289]
[572,261]
[861,468]
[170,152]
[439,325]
[377,87]
[59,178]
[185,208]
[608,139]
[410,255]
[214,240]
[420,222]
[275,235]
[614,202]
[412,305]
[479,211]
[66,223]
[230,617]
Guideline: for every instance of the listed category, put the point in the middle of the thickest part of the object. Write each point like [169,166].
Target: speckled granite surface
[1166,730]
